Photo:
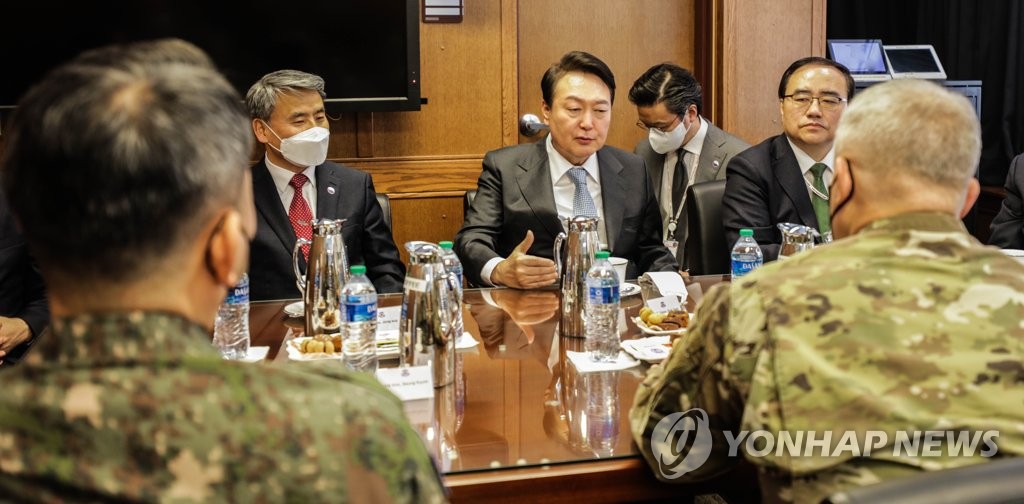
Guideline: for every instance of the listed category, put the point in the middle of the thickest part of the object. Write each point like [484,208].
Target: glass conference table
[520,422]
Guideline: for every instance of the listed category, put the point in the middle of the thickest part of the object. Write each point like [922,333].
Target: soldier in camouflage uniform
[907,323]
[146,148]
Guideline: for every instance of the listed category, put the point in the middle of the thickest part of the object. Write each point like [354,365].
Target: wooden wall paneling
[431,217]
[509,72]
[461,74]
[629,36]
[759,40]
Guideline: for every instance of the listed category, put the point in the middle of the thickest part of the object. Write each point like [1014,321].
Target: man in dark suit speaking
[294,184]
[510,228]
[786,177]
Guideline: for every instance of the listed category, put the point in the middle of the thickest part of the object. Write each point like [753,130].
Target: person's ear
[973,191]
[840,183]
[259,128]
[545,111]
[227,252]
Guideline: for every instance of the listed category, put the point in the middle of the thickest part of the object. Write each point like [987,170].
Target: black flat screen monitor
[367,52]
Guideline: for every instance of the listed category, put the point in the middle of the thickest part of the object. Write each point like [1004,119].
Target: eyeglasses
[663,129]
[827,102]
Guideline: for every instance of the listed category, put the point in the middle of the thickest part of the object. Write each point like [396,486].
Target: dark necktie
[820,203]
[582,202]
[680,180]
[299,214]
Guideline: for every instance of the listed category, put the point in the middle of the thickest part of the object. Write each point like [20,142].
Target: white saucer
[628,289]
[295,309]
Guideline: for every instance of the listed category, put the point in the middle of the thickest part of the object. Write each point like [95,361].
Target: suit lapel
[655,164]
[712,157]
[613,193]
[268,204]
[534,180]
[787,172]
[328,192]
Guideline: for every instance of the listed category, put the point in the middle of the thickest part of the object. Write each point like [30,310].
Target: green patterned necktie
[820,203]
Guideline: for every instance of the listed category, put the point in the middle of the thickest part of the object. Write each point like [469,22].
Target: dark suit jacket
[514,194]
[1008,225]
[718,148]
[763,187]
[22,294]
[342,193]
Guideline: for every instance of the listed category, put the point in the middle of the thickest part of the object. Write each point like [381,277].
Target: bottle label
[740,268]
[603,295]
[360,312]
[238,294]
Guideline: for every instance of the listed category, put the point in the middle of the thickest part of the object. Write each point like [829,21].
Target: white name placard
[664,304]
[388,318]
[408,383]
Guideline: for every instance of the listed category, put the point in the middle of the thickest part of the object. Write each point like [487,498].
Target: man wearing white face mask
[682,148]
[294,184]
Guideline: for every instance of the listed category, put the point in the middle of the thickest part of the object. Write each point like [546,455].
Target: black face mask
[832,216]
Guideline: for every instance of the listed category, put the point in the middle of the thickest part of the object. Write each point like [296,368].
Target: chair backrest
[467,202]
[385,207]
[995,481]
[706,252]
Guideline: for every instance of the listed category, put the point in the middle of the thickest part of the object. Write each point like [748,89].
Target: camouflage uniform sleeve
[701,372]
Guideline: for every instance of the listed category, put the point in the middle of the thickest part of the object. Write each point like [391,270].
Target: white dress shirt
[692,151]
[565,191]
[282,179]
[806,162]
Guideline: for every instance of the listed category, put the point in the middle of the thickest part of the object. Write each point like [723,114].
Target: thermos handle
[557,252]
[300,279]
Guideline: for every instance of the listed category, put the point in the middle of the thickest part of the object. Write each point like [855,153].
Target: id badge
[672,246]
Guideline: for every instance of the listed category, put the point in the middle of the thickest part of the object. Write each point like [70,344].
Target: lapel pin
[330,190]
[715,163]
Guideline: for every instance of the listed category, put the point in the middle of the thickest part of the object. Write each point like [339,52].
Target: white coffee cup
[620,266]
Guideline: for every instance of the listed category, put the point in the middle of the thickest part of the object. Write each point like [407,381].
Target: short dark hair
[111,168]
[816,61]
[670,84]
[576,61]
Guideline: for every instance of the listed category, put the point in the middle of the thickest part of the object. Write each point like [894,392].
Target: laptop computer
[914,62]
[863,57]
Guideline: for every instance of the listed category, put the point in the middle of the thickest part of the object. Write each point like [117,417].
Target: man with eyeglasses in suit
[786,177]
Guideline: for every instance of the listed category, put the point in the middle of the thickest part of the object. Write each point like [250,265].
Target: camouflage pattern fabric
[909,325]
[140,407]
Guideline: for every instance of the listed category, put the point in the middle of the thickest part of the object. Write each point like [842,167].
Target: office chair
[706,252]
[467,202]
[385,207]
[992,482]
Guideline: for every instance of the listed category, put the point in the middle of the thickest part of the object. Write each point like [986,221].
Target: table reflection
[516,400]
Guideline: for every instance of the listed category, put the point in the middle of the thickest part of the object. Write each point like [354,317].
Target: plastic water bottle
[451,262]
[601,311]
[454,266]
[359,302]
[746,255]
[231,327]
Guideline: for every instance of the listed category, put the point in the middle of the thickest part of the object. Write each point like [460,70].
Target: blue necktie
[582,203]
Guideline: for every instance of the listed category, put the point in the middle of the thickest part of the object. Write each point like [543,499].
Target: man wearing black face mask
[904,324]
[294,184]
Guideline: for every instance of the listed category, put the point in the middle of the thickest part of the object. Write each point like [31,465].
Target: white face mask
[663,143]
[308,148]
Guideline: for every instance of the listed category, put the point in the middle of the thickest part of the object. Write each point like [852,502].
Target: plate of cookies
[319,348]
[662,323]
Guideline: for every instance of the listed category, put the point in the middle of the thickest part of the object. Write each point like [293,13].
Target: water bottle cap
[746,232]
[445,245]
[602,254]
[357,269]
